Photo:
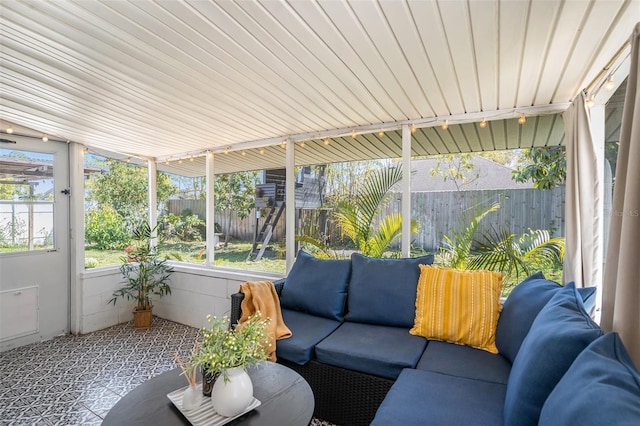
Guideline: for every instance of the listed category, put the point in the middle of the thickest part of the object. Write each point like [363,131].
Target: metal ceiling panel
[544,131]
[167,79]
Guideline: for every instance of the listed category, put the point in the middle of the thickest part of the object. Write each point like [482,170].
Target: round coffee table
[286,399]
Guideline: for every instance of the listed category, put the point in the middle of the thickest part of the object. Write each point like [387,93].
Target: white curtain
[621,296]
[583,205]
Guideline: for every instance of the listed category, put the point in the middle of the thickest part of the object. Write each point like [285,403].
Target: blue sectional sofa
[350,322]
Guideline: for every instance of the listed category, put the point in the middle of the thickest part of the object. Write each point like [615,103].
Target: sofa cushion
[317,286]
[588,295]
[306,331]
[458,306]
[383,291]
[422,397]
[519,310]
[464,361]
[523,305]
[375,349]
[601,387]
[559,333]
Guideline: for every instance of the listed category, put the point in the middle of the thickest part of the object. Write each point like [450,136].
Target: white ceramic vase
[233,397]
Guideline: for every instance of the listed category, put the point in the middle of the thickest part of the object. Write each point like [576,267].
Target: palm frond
[347,218]
[540,249]
[389,229]
[499,251]
[458,248]
[375,191]
[323,252]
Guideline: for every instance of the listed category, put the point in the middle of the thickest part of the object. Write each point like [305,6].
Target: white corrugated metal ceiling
[168,79]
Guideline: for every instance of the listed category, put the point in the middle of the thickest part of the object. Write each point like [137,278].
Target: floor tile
[76,380]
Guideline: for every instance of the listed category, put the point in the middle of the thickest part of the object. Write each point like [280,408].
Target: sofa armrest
[237,298]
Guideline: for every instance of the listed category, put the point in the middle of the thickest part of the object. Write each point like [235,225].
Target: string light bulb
[180,161]
[483,123]
[243,153]
[129,160]
[261,150]
[445,125]
[9,129]
[610,84]
[413,128]
[353,134]
[590,103]
[283,144]
[191,158]
[381,133]
[166,162]
[85,150]
[226,150]
[302,144]
[522,119]
[45,138]
[326,141]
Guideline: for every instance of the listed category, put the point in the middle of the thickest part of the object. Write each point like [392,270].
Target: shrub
[91,262]
[105,228]
[182,228]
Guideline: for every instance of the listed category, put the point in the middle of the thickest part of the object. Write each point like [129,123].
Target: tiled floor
[75,380]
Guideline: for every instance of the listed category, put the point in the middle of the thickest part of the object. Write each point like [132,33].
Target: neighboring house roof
[491,175]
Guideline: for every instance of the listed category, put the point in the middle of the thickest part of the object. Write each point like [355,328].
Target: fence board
[439,213]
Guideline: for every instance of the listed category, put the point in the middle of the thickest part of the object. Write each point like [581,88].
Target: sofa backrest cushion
[458,306]
[559,333]
[601,387]
[521,308]
[317,286]
[383,291]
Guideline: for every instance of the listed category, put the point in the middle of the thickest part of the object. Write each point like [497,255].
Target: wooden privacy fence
[439,213]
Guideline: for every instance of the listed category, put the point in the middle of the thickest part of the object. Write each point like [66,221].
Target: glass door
[34,240]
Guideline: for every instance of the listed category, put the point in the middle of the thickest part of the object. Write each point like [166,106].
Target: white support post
[153,198]
[76,229]
[406,191]
[290,207]
[210,211]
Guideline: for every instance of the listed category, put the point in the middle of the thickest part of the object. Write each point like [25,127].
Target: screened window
[26,201]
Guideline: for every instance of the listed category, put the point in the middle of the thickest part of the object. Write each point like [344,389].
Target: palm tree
[518,255]
[357,217]
[456,251]
[514,255]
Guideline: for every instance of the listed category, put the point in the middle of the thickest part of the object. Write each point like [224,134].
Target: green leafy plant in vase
[144,274]
[227,352]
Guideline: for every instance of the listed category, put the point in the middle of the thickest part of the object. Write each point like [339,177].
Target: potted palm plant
[144,274]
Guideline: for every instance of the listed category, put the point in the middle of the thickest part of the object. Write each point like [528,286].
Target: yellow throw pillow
[458,306]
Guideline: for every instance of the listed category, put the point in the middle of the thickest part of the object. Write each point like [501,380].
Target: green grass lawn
[232,256]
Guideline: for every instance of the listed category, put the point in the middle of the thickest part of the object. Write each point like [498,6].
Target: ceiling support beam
[290,200]
[453,119]
[406,191]
[210,209]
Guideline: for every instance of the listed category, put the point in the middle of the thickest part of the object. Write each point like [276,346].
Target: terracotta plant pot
[142,319]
